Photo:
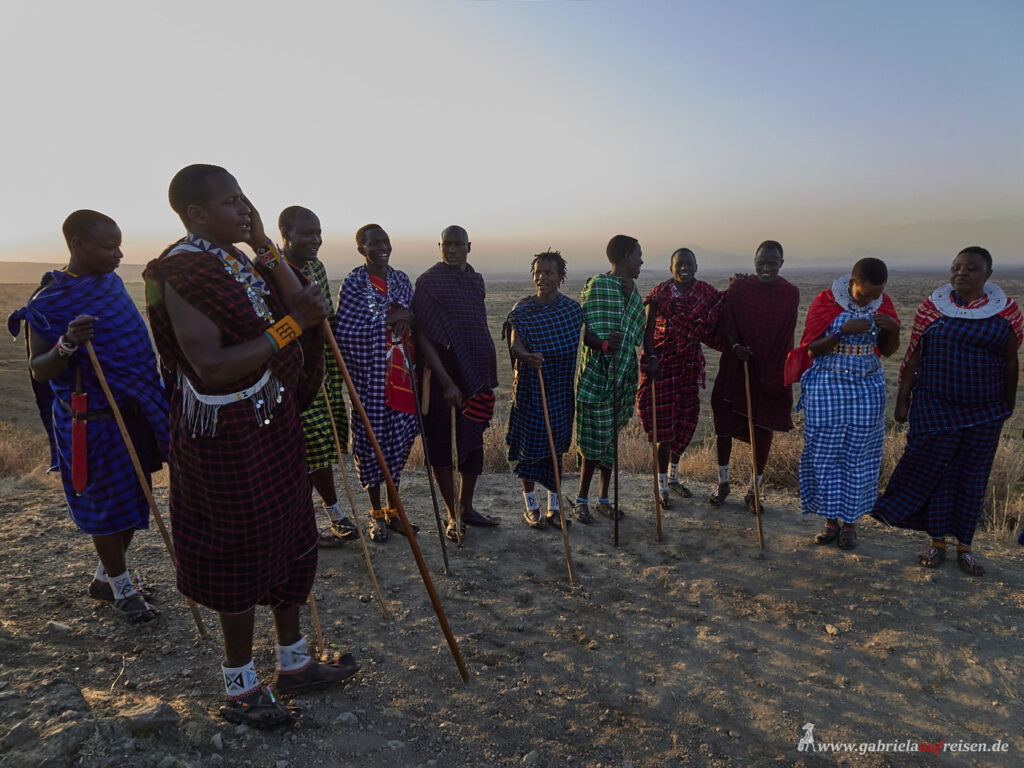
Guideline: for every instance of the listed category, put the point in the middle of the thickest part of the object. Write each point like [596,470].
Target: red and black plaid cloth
[241,506]
[682,322]
[761,316]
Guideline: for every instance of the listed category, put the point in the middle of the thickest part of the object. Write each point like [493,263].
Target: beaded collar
[378,305]
[841,293]
[950,304]
[241,270]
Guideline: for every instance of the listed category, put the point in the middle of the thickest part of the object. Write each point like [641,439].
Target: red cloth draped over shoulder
[824,309]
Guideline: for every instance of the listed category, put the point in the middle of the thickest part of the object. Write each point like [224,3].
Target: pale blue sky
[839,128]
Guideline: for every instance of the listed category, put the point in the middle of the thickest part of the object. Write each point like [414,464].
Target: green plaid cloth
[316,424]
[606,310]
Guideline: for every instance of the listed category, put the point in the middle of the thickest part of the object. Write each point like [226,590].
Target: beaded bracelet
[283,332]
[269,256]
[65,348]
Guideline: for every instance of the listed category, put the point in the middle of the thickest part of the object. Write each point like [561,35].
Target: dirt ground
[699,650]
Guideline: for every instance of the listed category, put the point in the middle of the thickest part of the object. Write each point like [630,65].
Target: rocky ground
[699,650]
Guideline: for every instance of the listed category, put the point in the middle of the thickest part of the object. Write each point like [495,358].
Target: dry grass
[24,458]
[1004,499]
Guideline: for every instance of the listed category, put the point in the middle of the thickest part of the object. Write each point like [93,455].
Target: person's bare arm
[45,362]
[889,334]
[202,342]
[533,359]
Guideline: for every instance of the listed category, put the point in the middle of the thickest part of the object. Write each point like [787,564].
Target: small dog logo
[807,740]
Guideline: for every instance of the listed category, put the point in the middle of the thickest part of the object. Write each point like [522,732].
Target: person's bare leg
[111,549]
[286,624]
[586,476]
[446,485]
[237,629]
[323,482]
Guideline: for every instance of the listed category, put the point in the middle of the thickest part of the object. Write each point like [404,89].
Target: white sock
[122,585]
[760,481]
[673,473]
[663,480]
[101,575]
[292,657]
[334,512]
[240,681]
[723,473]
[552,500]
[531,500]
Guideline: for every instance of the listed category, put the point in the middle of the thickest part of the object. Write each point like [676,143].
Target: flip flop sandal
[933,558]
[847,538]
[581,511]
[554,518]
[608,510]
[327,538]
[451,535]
[676,487]
[534,519]
[394,522]
[751,501]
[135,609]
[720,494]
[969,565]
[316,676]
[257,710]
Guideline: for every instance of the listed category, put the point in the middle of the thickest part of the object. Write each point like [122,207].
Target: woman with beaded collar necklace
[842,394]
[957,386]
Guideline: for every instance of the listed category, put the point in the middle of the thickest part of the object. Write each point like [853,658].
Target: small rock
[395,744]
[365,598]
[734,734]
[832,630]
[217,741]
[347,718]
[192,730]
[150,716]
[531,757]
[56,626]
[241,729]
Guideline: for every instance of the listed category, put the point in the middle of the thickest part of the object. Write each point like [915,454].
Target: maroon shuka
[240,499]
[761,316]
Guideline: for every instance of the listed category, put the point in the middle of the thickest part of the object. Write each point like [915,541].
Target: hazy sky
[839,128]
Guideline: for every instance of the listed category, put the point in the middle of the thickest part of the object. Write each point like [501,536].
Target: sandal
[581,511]
[676,487]
[394,522]
[316,676]
[534,519]
[720,495]
[378,526]
[751,501]
[933,557]
[135,609]
[663,499]
[101,590]
[450,531]
[258,709]
[829,534]
[968,564]
[608,510]
[327,538]
[555,519]
[847,538]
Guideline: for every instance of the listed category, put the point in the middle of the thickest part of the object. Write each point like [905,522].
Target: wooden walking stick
[141,475]
[316,623]
[753,455]
[453,646]
[654,443]
[558,479]
[615,442]
[456,481]
[352,504]
[426,456]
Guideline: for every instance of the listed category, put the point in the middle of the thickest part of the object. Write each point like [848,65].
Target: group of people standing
[250,412]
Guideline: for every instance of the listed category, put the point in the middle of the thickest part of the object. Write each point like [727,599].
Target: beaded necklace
[241,270]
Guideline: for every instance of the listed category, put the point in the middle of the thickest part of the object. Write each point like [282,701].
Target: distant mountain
[30,272]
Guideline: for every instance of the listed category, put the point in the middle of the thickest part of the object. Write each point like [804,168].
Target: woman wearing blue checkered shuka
[843,399]
[542,329]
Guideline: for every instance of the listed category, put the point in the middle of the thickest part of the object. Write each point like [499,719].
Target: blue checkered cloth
[554,331]
[113,500]
[939,484]
[961,374]
[360,329]
[839,470]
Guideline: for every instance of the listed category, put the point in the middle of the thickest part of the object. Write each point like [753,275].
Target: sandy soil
[697,650]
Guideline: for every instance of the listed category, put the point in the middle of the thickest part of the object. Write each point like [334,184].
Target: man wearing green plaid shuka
[300,232]
[613,315]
